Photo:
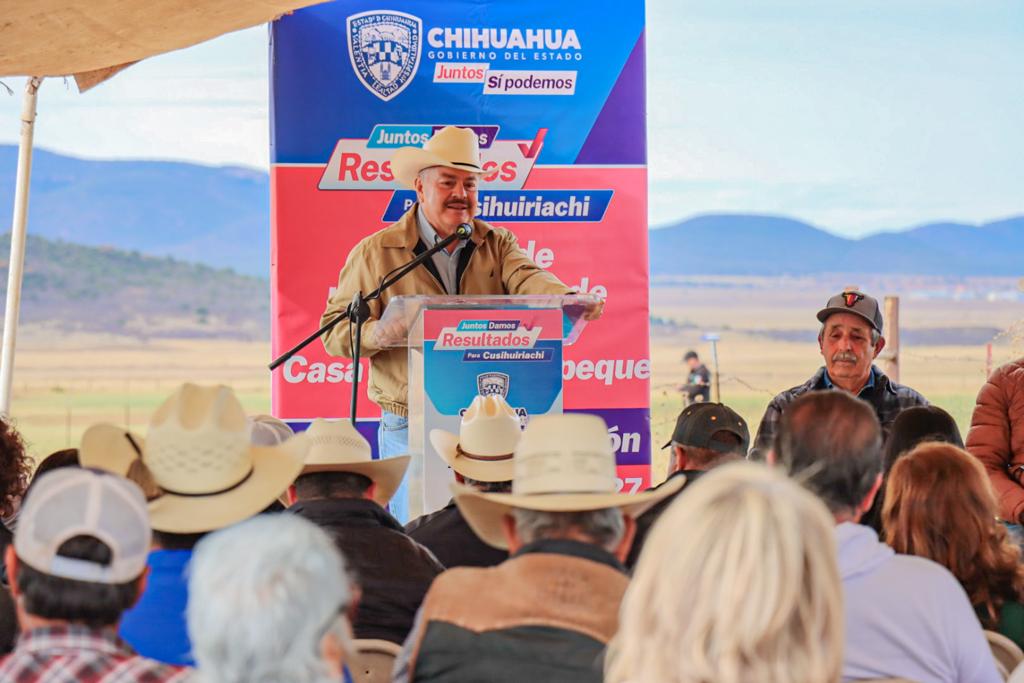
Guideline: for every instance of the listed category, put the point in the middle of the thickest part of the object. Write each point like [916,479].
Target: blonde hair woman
[737,582]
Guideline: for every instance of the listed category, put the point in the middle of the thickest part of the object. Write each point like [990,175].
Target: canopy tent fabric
[95,39]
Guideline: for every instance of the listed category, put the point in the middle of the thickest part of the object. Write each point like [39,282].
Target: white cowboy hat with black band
[452,147]
[488,435]
[198,451]
[336,446]
[564,463]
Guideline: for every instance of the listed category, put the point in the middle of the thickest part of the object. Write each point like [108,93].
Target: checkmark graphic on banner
[533,149]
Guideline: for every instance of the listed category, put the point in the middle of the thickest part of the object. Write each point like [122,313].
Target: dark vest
[393,570]
[446,534]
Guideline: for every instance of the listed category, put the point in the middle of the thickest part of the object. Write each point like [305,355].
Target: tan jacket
[523,620]
[496,265]
[997,437]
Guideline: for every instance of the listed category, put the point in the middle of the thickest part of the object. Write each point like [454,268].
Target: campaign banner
[555,94]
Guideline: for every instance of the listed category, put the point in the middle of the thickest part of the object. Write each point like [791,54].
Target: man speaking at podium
[445,173]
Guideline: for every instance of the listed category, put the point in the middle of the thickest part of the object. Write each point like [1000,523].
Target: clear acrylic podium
[461,346]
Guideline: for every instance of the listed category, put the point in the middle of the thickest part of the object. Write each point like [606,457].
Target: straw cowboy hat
[108,447]
[488,434]
[336,446]
[564,463]
[451,146]
[197,450]
[267,430]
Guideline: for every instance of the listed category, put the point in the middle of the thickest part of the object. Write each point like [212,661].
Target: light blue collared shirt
[870,383]
[447,264]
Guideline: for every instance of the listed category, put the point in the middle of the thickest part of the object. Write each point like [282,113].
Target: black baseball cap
[698,423]
[858,303]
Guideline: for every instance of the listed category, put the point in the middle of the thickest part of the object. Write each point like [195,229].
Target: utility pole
[713,337]
[890,356]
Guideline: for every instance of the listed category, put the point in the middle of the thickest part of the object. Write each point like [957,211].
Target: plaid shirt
[885,396]
[78,654]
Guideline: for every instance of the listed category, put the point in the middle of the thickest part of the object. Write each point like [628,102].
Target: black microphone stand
[359,310]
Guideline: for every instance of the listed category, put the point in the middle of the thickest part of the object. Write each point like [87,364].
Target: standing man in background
[445,173]
[698,381]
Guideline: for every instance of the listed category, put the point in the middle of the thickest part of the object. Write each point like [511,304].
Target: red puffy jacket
[997,436]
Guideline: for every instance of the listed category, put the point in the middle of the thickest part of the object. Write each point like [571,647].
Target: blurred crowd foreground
[222,547]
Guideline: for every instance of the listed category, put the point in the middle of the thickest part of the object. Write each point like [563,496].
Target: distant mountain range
[220,216]
[70,287]
[727,244]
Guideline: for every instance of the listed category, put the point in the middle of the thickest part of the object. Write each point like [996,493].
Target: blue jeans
[392,440]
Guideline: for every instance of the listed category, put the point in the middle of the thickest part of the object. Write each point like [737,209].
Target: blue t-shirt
[155,627]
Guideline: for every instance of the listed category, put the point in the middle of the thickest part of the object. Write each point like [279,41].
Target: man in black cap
[850,339]
[698,380]
[706,435]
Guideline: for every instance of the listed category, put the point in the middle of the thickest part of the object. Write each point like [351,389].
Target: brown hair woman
[939,504]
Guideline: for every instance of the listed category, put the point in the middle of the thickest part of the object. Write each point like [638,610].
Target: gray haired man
[849,340]
[548,611]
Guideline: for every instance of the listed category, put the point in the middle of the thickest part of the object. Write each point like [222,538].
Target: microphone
[464,231]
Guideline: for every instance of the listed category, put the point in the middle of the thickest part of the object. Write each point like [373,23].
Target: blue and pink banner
[555,93]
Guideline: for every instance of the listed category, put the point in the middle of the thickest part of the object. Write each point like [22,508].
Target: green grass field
[62,387]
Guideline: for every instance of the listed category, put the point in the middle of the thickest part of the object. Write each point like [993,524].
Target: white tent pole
[18,229]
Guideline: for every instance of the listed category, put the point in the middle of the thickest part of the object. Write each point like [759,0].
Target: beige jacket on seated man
[491,263]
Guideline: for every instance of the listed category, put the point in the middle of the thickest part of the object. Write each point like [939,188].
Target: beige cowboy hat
[197,450]
[114,449]
[488,434]
[451,146]
[336,446]
[564,463]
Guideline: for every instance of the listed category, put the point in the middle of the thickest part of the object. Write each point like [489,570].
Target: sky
[856,116]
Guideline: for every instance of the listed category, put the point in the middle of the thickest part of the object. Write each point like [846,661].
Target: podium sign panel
[515,354]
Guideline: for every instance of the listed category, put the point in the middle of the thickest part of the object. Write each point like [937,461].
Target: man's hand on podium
[390,332]
[594,310]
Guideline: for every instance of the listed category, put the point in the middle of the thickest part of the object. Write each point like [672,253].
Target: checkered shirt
[78,654]
[885,396]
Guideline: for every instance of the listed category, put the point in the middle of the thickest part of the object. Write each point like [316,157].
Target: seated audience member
[66,457]
[268,430]
[481,457]
[911,427]
[108,447]
[706,435]
[15,471]
[547,612]
[345,492]
[939,504]
[688,614]
[268,603]
[849,340]
[905,616]
[208,476]
[996,437]
[71,587]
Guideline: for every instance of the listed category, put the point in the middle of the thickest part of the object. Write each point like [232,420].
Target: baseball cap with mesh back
[72,502]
